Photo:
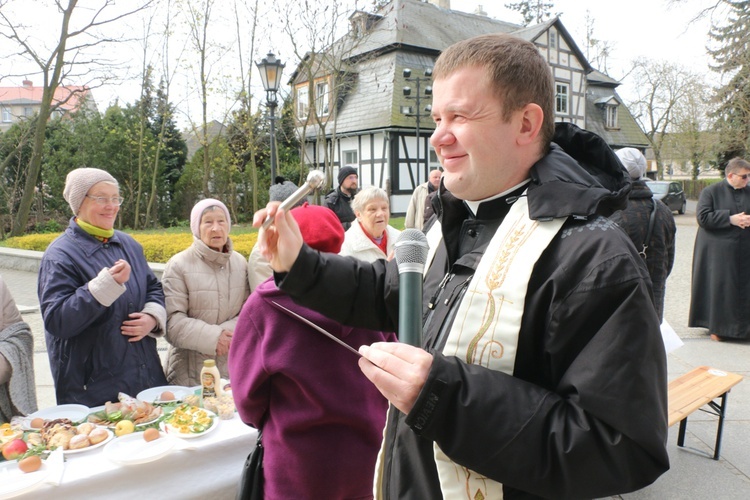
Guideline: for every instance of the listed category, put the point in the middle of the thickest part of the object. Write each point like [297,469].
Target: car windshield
[658,187]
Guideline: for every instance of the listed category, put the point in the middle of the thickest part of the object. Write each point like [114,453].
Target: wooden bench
[697,388]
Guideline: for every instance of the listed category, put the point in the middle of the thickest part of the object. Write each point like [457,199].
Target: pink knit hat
[197,212]
[79,181]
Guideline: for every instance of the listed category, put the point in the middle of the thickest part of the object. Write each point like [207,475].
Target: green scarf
[97,232]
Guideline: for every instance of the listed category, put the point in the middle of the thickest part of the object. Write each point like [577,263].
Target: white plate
[74,413]
[13,482]
[111,425]
[93,446]
[152,395]
[132,449]
[166,427]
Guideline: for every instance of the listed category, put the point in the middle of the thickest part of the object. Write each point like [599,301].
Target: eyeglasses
[743,176]
[104,200]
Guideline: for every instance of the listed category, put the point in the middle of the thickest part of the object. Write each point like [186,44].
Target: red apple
[15,449]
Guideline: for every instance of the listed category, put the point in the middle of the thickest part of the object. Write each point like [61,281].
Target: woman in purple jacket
[101,303]
[322,420]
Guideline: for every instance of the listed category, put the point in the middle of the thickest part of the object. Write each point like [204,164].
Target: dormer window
[303,102]
[321,98]
[611,110]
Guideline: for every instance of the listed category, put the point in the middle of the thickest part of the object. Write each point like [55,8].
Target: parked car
[671,193]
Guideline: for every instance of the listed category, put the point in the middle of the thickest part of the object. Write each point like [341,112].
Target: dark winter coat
[634,220]
[341,205]
[584,413]
[322,420]
[721,263]
[90,359]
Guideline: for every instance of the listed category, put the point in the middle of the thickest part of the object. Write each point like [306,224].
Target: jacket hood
[580,177]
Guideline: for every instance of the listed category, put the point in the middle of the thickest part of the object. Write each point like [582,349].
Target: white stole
[486,328]
[485,331]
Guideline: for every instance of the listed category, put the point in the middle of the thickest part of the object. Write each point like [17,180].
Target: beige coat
[415,210]
[204,291]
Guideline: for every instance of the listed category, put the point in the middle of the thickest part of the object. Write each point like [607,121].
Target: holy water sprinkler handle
[314,180]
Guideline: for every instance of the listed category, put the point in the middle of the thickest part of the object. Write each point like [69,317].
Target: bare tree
[660,88]
[246,114]
[327,51]
[71,52]
[597,51]
[691,138]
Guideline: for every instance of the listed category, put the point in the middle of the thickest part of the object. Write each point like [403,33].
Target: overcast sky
[633,28]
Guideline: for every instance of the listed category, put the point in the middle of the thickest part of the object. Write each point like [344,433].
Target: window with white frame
[28,112]
[303,102]
[351,157]
[321,98]
[611,116]
[7,116]
[562,95]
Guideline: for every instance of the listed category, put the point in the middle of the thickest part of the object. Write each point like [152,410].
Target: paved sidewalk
[693,474]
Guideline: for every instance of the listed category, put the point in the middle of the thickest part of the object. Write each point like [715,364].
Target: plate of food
[127,408]
[188,421]
[83,441]
[74,413]
[165,394]
[133,449]
[13,481]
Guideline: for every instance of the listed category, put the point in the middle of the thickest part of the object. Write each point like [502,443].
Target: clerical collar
[474,205]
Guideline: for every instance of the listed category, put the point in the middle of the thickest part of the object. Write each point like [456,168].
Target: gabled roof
[69,98]
[600,93]
[531,33]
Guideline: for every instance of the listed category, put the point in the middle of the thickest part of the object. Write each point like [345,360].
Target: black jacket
[584,413]
[634,220]
[341,205]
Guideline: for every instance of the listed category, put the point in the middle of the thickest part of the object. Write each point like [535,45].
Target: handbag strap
[650,232]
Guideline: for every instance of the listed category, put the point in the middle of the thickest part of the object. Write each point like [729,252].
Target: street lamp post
[408,111]
[270,74]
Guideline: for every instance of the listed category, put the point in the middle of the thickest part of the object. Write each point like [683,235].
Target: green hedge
[158,247]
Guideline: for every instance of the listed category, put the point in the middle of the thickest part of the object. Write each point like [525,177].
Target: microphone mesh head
[411,247]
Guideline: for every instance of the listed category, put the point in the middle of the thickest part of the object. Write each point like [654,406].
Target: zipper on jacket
[446,279]
[459,288]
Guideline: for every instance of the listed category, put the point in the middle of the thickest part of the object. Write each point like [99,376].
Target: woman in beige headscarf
[205,287]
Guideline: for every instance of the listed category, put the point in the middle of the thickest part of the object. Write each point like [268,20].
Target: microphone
[411,255]
[314,180]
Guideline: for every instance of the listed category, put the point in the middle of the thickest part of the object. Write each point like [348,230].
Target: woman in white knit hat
[101,303]
[205,287]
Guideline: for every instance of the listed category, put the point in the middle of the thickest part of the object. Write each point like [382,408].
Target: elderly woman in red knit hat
[101,303]
[321,419]
[205,287]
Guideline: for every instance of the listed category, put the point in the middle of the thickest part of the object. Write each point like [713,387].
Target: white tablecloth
[211,471]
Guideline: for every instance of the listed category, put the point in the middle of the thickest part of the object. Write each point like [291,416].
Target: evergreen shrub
[157,247]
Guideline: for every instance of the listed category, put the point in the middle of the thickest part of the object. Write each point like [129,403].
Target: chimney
[27,84]
[480,11]
[443,4]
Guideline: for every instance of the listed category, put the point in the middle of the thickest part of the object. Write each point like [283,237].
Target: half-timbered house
[351,107]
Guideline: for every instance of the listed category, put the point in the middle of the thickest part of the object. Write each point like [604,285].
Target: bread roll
[79,441]
[98,435]
[86,428]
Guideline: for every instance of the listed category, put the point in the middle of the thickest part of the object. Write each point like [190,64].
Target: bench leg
[720,409]
[681,434]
